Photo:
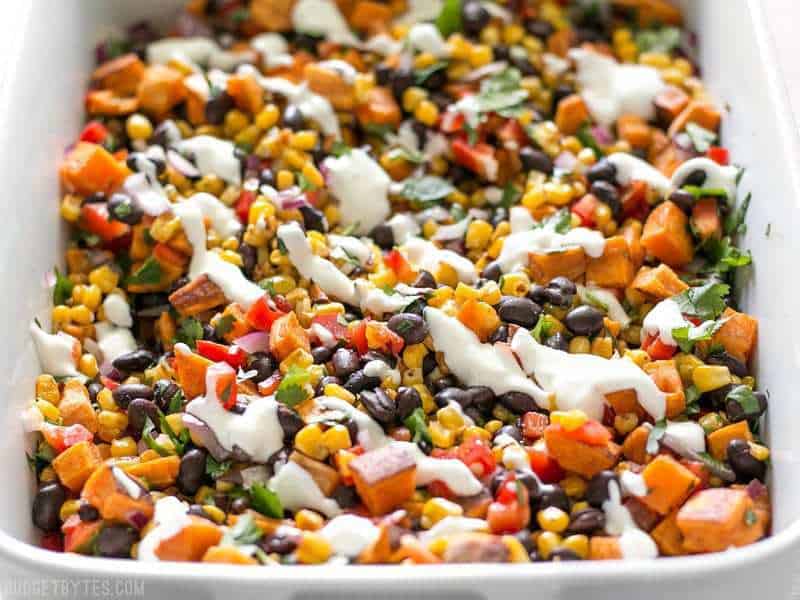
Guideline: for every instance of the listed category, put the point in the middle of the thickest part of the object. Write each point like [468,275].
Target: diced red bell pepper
[243,203]
[591,433]
[263,313]
[109,383]
[94,132]
[479,159]
[451,121]
[79,536]
[511,511]
[383,337]
[332,324]
[545,466]
[634,200]
[401,267]
[585,209]
[53,542]
[533,425]
[507,491]
[225,388]
[94,218]
[439,488]
[358,336]
[477,455]
[657,349]
[233,355]
[61,437]
[512,134]
[719,155]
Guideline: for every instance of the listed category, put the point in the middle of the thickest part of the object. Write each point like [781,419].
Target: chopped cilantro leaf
[511,195]
[422,75]
[702,138]
[244,532]
[418,426]
[265,501]
[705,302]
[559,222]
[689,335]
[339,148]
[216,469]
[746,399]
[734,222]
[662,39]
[149,273]
[62,290]
[291,391]
[147,438]
[224,325]
[189,332]
[426,189]
[723,256]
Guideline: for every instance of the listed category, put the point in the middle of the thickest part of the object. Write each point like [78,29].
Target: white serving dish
[49,59]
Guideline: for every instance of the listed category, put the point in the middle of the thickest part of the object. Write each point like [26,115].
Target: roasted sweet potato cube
[658,283]
[75,464]
[624,401]
[476,548]
[197,296]
[715,519]
[604,548]
[738,334]
[110,494]
[706,221]
[190,370]
[634,130]
[75,406]
[668,537]
[158,473]
[371,16]
[702,112]
[669,483]
[614,268]
[272,15]
[666,235]
[665,375]
[718,440]
[326,477]
[107,103]
[90,168]
[121,75]
[669,103]
[384,478]
[239,325]
[380,108]
[571,113]
[644,516]
[577,456]
[570,263]
[652,12]
[160,89]
[191,542]
[634,448]
[246,92]
[228,555]
[286,335]
[332,85]
[632,232]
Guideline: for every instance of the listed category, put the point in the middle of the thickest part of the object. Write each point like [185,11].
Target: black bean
[371,355]
[345,496]
[734,365]
[557,297]
[510,430]
[379,405]
[359,381]
[139,410]
[217,107]
[321,354]
[125,209]
[550,494]
[480,397]
[412,328]
[191,471]
[279,543]
[524,537]
[563,554]
[565,284]
[603,170]
[493,271]
[249,258]
[684,200]
[428,364]
[519,311]
[444,382]
[320,391]
[584,320]
[518,402]
[737,412]
[597,490]
[88,513]
[239,505]
[313,219]
[535,160]
[408,400]
[540,28]
[402,79]
[607,192]
[210,333]
[137,360]
[94,388]
[352,429]
[562,91]
[521,62]
[345,362]
[304,41]
[425,280]
[499,335]
[383,74]
[289,421]
[293,118]
[46,506]
[164,391]
[474,17]
[263,364]
[743,463]
[451,394]
[125,393]
[383,236]
[557,341]
[538,293]
[115,541]
[266,177]
[435,81]
[530,481]
[696,178]
[586,521]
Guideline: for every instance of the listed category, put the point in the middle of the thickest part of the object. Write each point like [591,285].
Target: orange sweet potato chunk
[480,317]
[580,457]
[246,92]
[571,113]
[668,537]
[634,448]
[705,220]
[718,440]
[286,335]
[570,263]
[669,483]
[614,268]
[665,375]
[380,108]
[272,15]
[666,235]
[327,478]
[659,283]
[158,473]
[121,75]
[75,464]
[634,130]
[160,90]
[738,335]
[384,478]
[190,371]
[199,295]
[106,102]
[670,102]
[90,168]
[702,112]
[652,12]
[604,548]
[191,542]
[228,555]
[715,519]
[104,492]
[370,16]
[75,406]
[330,84]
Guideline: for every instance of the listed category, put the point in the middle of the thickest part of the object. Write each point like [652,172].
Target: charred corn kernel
[214,513]
[47,389]
[658,60]
[758,451]
[235,121]
[304,140]
[603,346]
[267,117]
[569,419]
[414,354]
[438,508]
[104,278]
[88,365]
[313,549]
[580,345]
[710,377]
[111,424]
[574,486]
[710,422]
[493,426]
[459,47]
[515,284]
[441,436]
[308,520]
[60,314]
[336,438]
[626,422]
[49,410]
[123,447]
[426,112]
[480,55]
[232,257]
[479,234]
[138,127]
[298,358]
[639,357]
[686,364]
[450,417]
[69,508]
[106,400]
[285,179]
[552,519]
[579,544]
[412,97]
[423,60]
[312,174]
[546,542]
[81,315]
[309,441]
[71,208]
[466,292]
[475,431]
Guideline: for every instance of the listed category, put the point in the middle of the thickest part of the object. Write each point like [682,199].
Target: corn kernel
[312,174]
[580,344]
[710,377]
[438,508]
[515,284]
[336,438]
[579,544]
[758,451]
[309,441]
[478,235]
[81,315]
[111,424]
[235,121]
[475,431]
[214,513]
[88,365]
[441,436]
[552,519]
[313,549]
[60,314]
[570,420]
[466,292]
[480,55]
[209,183]
[603,346]
[49,411]
[427,112]
[450,417]
[625,423]
[106,400]
[337,391]
[69,508]
[304,140]
[493,426]
[412,97]
[104,278]
[308,520]
[267,117]
[547,542]
[686,364]
[232,257]
[414,354]
[138,127]
[47,389]
[284,179]
[123,447]
[71,208]
[459,47]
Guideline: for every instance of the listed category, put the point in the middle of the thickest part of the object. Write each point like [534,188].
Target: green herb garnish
[215,469]
[189,331]
[148,274]
[418,426]
[265,501]
[291,390]
[62,290]
[449,19]
[427,189]
[706,302]
[702,138]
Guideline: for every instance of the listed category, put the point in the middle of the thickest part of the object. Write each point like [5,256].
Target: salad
[399,282]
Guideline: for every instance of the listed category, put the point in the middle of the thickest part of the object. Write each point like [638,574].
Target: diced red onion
[602,135]
[566,161]
[756,489]
[291,198]
[257,341]
[138,519]
[181,165]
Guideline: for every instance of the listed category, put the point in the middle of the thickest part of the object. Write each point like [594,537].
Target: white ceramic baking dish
[49,57]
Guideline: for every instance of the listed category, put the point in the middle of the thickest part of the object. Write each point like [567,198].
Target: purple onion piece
[257,341]
[566,161]
[756,489]
[602,135]
[138,519]
[182,165]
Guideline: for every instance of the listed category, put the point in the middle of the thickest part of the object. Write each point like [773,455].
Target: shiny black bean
[734,365]
[557,297]
[320,390]
[307,42]
[345,362]
[493,271]
[94,388]
[530,481]
[279,543]
[46,506]
[249,258]
[444,382]
[412,328]
[125,393]
[293,118]
[383,236]
[584,320]
[402,79]
[139,410]
[314,219]
[550,494]
[266,177]
[565,284]
[359,381]
[321,354]
[684,200]
[510,430]
[289,421]
[371,355]
[517,402]
[524,537]
[540,28]
[115,541]
[743,463]
[538,293]
[428,364]
[562,91]
[696,177]
[346,496]
[451,394]
[718,397]
[88,513]
[191,471]
[125,209]
[263,364]
[519,311]
[521,62]
[408,400]
[563,554]
[480,397]
[474,17]
[164,391]
[535,160]
[586,521]
[597,490]
[499,335]
[607,192]
[603,170]
[737,412]
[383,74]
[137,360]
[425,280]
[217,107]
[379,405]
[557,341]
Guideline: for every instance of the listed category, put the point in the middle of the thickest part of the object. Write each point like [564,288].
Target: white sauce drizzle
[611,89]
[362,188]
[582,380]
[452,525]
[117,310]
[665,317]
[633,484]
[609,299]
[632,168]
[273,49]
[322,17]
[55,352]
[685,437]
[379,369]
[145,187]
[131,488]
[455,231]
[425,37]
[518,246]
[297,489]
[349,535]
[633,542]
[352,246]
[340,67]
[717,176]
[520,219]
[171,516]
[403,227]
[114,341]
[196,49]
[213,156]
[426,255]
